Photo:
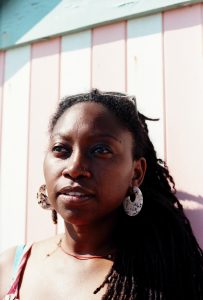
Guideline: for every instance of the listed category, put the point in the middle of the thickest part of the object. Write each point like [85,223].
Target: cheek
[51,166]
[47,169]
[51,173]
[115,179]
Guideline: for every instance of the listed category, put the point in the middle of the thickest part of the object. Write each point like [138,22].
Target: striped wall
[158,58]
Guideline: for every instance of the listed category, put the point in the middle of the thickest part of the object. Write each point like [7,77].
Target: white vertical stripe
[14,147]
[145,72]
[75,63]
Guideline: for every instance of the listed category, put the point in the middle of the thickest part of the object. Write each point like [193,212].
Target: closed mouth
[74,194]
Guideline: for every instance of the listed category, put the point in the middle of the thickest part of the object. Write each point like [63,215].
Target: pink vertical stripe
[184,106]
[109,57]
[44,93]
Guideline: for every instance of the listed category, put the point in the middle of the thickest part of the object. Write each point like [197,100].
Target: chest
[64,280]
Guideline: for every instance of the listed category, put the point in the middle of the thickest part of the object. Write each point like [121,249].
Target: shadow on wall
[193,207]
[19,16]
[196,200]
[17,58]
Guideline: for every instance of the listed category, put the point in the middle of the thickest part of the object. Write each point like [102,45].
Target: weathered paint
[41,19]
[145,72]
[44,94]
[184,93]
[14,146]
[108,57]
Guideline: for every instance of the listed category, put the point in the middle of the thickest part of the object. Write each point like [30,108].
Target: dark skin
[88,136]
[89,169]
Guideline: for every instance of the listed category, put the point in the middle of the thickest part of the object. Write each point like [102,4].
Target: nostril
[74,172]
[65,173]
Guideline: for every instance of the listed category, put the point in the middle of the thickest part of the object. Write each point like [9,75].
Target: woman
[126,235]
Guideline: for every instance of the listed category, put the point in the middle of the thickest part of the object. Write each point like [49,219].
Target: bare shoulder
[6,269]
[39,249]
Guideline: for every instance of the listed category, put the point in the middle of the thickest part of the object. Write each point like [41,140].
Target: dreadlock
[158,257]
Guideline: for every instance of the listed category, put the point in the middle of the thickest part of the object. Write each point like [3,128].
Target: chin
[76,218]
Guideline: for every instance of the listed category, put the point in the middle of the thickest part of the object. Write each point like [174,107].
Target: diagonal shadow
[193,207]
[19,16]
[181,195]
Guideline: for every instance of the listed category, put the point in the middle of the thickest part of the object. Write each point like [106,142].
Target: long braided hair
[158,257]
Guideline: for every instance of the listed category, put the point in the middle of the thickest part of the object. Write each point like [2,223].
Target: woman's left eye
[101,150]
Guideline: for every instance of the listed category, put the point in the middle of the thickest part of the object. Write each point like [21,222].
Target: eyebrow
[107,135]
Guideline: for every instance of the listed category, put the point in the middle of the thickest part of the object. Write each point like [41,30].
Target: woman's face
[89,165]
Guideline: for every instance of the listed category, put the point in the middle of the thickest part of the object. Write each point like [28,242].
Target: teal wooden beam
[23,21]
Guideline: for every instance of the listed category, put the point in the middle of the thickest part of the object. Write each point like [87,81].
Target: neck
[91,239]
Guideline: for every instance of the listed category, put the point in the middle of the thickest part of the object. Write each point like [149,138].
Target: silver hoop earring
[133,203]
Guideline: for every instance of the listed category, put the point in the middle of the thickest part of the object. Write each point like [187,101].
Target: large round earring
[44,202]
[43,198]
[133,203]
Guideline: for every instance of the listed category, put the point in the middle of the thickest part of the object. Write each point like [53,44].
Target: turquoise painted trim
[23,21]
[18,17]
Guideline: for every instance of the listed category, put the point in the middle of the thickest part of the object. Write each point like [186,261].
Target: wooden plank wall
[158,58]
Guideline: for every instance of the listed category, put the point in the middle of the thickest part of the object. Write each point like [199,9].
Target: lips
[74,195]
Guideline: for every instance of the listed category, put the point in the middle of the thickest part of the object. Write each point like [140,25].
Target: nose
[76,166]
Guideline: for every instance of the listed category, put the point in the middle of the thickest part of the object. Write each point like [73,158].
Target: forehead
[88,116]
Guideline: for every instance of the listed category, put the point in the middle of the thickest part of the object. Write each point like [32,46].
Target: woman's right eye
[61,151]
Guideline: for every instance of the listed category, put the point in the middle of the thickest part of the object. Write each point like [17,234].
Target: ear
[140,167]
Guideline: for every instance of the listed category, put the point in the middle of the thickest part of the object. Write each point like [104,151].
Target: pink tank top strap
[14,288]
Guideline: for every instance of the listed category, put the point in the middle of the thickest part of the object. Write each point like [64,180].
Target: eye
[102,151]
[61,151]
